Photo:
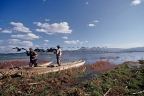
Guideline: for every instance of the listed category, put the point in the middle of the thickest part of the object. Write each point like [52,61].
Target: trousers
[33,62]
[58,60]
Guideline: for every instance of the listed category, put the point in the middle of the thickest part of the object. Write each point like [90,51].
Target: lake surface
[90,58]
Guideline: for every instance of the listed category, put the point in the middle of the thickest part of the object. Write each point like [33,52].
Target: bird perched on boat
[19,49]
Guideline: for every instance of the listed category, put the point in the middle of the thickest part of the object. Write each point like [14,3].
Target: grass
[122,80]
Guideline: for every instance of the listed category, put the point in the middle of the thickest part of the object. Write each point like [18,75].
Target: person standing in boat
[58,55]
[33,57]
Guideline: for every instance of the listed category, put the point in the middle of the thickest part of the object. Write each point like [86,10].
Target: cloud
[19,27]
[2,47]
[72,42]
[131,45]
[83,42]
[87,3]
[27,43]
[136,2]
[45,44]
[41,30]
[91,25]
[29,36]
[14,41]
[75,42]
[18,42]
[65,37]
[46,40]
[37,46]
[6,31]
[53,28]
[47,19]
[96,21]
[0,28]
[11,43]
[107,45]
[1,41]
[44,0]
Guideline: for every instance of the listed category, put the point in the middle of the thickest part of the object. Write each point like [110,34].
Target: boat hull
[40,69]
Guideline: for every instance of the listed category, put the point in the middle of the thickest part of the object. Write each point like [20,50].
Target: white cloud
[14,41]
[75,42]
[6,31]
[1,41]
[136,2]
[41,30]
[86,3]
[96,21]
[86,41]
[38,23]
[47,19]
[83,42]
[91,25]
[107,45]
[2,47]
[19,27]
[27,43]
[46,40]
[53,28]
[19,43]
[131,45]
[65,37]
[29,36]
[37,46]
[45,44]
[72,42]
[0,28]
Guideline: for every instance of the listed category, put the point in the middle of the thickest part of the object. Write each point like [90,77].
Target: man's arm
[58,51]
[28,54]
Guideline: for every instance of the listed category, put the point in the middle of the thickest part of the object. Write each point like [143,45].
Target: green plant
[96,93]
[13,89]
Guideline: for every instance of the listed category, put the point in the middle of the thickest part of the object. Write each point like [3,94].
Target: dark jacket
[32,54]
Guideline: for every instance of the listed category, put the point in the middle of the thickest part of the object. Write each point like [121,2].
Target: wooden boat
[41,69]
[43,65]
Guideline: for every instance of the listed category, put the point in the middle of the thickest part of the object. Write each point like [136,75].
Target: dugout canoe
[41,69]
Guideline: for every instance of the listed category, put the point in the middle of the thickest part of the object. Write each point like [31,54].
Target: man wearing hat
[58,55]
[33,57]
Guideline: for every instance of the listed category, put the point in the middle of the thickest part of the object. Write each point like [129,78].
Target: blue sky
[71,23]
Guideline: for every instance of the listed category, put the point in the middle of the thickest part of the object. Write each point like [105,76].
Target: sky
[71,23]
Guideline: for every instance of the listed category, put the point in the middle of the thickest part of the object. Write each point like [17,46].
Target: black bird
[39,50]
[19,49]
[51,50]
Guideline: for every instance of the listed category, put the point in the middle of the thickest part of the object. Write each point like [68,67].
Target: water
[90,58]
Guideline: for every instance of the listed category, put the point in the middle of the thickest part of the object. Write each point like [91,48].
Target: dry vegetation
[99,79]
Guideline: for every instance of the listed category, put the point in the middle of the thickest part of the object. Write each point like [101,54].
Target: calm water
[90,58]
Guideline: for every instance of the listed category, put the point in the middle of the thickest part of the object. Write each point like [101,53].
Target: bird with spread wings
[19,49]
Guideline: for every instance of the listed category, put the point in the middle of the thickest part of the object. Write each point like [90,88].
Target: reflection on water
[115,58]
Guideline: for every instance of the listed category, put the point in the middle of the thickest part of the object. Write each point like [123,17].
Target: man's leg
[59,60]
[35,63]
[30,63]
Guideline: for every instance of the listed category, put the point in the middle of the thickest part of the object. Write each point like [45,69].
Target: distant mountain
[137,49]
[99,49]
